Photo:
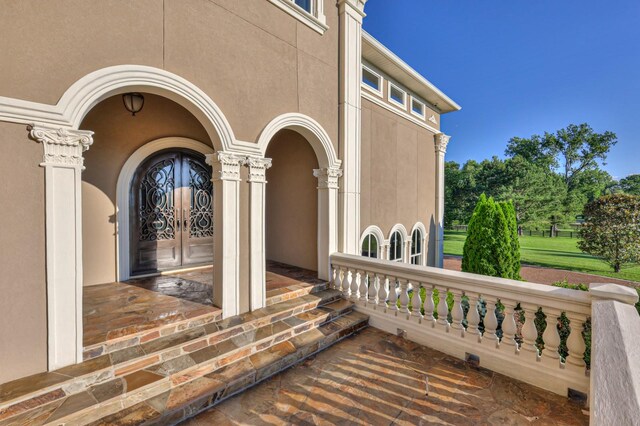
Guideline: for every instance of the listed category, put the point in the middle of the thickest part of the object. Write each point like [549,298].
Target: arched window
[370,246]
[395,247]
[416,247]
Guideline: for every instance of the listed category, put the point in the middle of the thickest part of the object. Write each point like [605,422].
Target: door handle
[177,219]
[184,217]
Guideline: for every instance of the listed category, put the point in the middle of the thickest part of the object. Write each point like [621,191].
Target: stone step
[154,333]
[208,386]
[31,393]
[293,291]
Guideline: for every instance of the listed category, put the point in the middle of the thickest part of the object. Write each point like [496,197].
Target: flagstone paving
[376,378]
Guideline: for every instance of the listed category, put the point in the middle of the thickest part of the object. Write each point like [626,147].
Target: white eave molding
[316,21]
[378,55]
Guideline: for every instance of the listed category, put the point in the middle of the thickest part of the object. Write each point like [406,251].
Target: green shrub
[488,248]
[509,212]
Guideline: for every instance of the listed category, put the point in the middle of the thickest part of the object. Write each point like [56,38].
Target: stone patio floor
[116,310]
[376,378]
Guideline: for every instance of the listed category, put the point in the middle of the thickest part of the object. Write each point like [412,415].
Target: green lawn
[560,253]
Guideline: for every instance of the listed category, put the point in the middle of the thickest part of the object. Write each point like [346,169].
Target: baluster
[382,291]
[404,296]
[473,316]
[373,290]
[529,348]
[332,282]
[364,280]
[416,301]
[509,327]
[489,336]
[355,284]
[338,279]
[429,306]
[393,295]
[443,309]
[551,338]
[346,283]
[457,314]
[575,341]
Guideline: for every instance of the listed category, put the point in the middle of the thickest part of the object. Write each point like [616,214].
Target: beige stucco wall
[117,135]
[292,202]
[254,60]
[398,173]
[23,308]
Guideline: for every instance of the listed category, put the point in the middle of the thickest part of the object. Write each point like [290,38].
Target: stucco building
[200,193]
[290,93]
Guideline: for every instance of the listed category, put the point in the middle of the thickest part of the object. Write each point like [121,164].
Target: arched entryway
[175,147]
[170,213]
[65,146]
[292,202]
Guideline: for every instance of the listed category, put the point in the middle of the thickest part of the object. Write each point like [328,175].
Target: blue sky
[523,67]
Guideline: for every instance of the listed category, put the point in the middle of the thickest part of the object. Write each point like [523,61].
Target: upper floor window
[309,12]
[416,247]
[417,107]
[395,247]
[370,246]
[372,79]
[305,4]
[397,95]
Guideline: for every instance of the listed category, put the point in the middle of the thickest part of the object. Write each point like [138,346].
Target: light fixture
[133,102]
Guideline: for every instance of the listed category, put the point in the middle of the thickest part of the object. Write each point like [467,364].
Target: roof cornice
[384,59]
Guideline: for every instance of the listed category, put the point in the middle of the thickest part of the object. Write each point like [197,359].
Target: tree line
[549,178]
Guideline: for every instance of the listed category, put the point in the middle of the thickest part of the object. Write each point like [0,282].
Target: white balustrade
[384,286]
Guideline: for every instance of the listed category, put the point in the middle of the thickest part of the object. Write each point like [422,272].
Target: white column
[441,141]
[351,13]
[63,164]
[257,262]
[226,237]
[327,218]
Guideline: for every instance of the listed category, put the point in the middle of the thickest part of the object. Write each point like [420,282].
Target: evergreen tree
[487,249]
[509,212]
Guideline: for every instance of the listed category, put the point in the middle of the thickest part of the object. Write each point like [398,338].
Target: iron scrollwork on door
[201,213]
[156,212]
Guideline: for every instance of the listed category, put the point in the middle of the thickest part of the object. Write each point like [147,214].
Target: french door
[172,213]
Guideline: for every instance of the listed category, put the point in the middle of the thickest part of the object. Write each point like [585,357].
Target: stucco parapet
[62,146]
[606,291]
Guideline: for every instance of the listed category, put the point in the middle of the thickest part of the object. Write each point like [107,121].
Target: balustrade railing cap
[605,291]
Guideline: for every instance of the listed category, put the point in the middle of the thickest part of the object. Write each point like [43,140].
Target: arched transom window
[395,247]
[416,247]
[370,246]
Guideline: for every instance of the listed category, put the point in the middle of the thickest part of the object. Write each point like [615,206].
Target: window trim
[380,80]
[424,107]
[393,101]
[418,255]
[399,233]
[370,235]
[316,20]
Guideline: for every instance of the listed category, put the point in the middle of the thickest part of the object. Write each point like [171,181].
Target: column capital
[257,168]
[226,165]
[62,147]
[441,141]
[327,177]
[355,5]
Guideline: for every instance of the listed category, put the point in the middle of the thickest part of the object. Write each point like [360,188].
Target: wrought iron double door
[172,213]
